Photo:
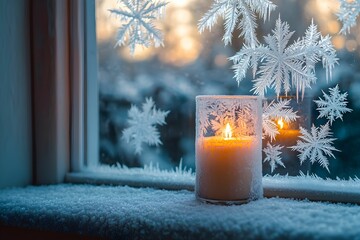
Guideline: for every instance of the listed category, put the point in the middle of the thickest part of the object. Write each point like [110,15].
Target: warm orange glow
[181,16]
[280,122]
[333,26]
[228,132]
[338,41]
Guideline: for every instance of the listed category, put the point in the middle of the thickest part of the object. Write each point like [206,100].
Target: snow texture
[138,27]
[231,10]
[333,106]
[142,125]
[144,213]
[348,13]
[316,145]
[272,155]
[284,66]
[274,111]
[179,174]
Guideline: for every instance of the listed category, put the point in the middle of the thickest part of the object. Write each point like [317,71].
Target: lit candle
[225,167]
[287,136]
[228,149]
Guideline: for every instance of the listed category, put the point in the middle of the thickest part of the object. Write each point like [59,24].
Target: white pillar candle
[228,165]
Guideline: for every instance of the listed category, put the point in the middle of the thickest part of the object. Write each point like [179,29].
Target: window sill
[145,213]
[304,187]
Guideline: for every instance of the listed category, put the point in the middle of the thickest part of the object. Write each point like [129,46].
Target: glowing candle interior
[225,166]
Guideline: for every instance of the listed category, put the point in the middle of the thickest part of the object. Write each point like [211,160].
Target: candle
[287,136]
[228,149]
[224,168]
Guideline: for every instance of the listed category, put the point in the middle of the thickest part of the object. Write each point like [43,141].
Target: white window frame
[85,104]
[85,126]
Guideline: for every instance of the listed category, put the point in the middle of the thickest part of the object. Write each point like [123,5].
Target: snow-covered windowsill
[147,213]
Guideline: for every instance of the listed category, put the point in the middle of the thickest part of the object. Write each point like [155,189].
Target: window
[191,64]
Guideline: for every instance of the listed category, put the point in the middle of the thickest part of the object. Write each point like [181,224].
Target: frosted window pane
[191,64]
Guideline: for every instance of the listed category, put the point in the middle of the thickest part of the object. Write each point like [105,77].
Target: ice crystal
[348,13]
[283,66]
[213,114]
[272,154]
[142,125]
[238,117]
[333,106]
[316,145]
[138,27]
[237,13]
[275,111]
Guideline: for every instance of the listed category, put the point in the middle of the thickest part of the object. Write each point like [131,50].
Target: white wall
[15,90]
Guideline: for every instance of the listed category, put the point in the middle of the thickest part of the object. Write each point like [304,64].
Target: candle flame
[280,122]
[228,132]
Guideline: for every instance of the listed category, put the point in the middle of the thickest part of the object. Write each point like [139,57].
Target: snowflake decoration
[333,106]
[283,66]
[315,145]
[138,27]
[272,154]
[142,125]
[231,10]
[275,111]
[348,13]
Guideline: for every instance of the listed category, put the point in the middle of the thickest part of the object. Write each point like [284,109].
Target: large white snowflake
[142,125]
[272,155]
[283,66]
[138,28]
[274,111]
[348,13]
[231,10]
[316,145]
[333,106]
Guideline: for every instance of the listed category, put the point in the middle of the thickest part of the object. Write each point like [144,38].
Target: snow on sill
[300,187]
[116,212]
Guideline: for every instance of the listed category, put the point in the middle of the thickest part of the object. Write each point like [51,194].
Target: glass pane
[192,64]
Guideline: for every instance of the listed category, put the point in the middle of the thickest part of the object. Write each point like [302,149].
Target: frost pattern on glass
[237,13]
[333,106]
[348,13]
[284,66]
[142,127]
[316,145]
[216,113]
[137,17]
[272,155]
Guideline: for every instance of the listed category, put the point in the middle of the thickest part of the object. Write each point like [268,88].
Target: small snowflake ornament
[138,26]
[272,154]
[348,13]
[142,125]
[316,145]
[333,106]
[284,66]
[237,13]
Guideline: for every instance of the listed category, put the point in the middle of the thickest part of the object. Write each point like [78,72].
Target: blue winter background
[191,64]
